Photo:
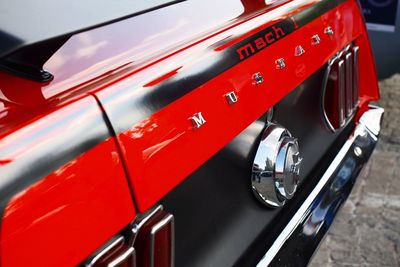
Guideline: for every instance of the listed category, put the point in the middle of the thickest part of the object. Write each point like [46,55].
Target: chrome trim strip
[369,124]
[104,251]
[324,85]
[346,61]
[356,76]
[121,258]
[349,84]
[342,92]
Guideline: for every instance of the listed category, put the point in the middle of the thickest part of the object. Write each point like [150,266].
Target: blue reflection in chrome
[326,205]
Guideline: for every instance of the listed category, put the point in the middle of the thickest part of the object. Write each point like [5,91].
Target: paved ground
[367,230]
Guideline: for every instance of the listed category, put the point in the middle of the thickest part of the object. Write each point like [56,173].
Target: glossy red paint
[163,149]
[85,201]
[67,214]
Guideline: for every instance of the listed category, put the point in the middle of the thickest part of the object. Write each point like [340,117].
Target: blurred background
[382,17]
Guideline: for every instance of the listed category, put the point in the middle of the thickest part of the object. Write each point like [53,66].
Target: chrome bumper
[297,242]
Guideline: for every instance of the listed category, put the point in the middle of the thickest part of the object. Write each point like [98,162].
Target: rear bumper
[299,239]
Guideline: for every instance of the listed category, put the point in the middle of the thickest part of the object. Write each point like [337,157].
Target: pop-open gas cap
[276,167]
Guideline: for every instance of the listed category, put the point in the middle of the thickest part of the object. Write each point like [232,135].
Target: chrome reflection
[276,168]
[258,78]
[326,205]
[320,206]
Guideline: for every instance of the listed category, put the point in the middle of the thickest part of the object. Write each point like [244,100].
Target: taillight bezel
[340,90]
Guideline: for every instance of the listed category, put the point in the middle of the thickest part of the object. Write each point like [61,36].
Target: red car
[180,133]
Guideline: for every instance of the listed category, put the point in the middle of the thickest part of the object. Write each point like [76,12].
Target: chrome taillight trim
[349,83]
[341,93]
[356,76]
[113,243]
[130,243]
[130,252]
[141,220]
[346,62]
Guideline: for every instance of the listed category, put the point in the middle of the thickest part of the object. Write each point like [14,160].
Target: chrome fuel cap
[276,167]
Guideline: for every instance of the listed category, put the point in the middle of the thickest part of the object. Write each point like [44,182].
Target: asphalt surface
[367,230]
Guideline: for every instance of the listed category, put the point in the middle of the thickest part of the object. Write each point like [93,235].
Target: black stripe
[126,108]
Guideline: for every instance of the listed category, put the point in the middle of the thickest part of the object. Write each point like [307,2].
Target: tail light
[341,88]
[147,242]
[153,239]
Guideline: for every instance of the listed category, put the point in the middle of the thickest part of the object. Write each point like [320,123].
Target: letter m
[197,120]
[245,51]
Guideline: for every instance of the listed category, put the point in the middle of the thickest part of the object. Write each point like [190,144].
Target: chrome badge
[231,97]
[280,63]
[315,39]
[276,168]
[299,50]
[197,120]
[258,78]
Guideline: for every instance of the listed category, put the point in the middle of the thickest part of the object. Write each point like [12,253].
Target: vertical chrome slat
[341,92]
[356,76]
[349,83]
